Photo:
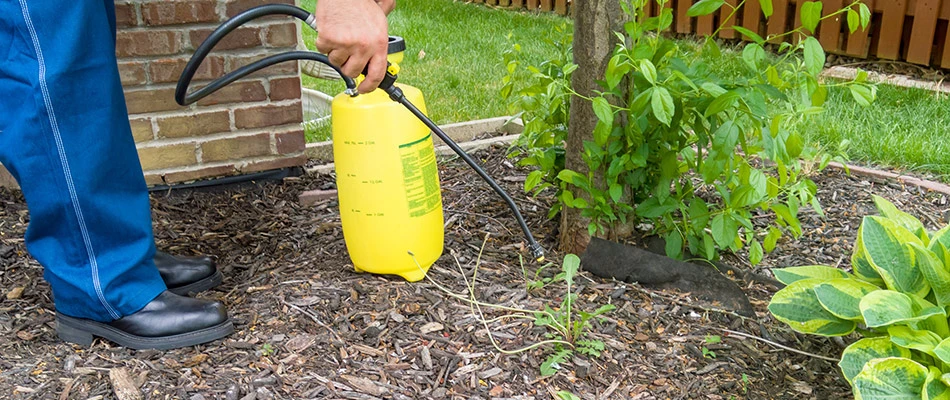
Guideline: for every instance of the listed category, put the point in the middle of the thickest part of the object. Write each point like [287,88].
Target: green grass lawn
[461,71]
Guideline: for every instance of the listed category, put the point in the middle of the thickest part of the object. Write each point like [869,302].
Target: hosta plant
[896,296]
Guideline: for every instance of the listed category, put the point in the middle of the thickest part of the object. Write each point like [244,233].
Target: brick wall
[252,125]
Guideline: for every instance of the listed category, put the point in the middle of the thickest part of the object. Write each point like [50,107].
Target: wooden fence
[915,31]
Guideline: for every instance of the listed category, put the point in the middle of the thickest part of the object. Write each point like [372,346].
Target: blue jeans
[65,137]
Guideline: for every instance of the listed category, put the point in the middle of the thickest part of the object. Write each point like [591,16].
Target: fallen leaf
[15,293]
[431,327]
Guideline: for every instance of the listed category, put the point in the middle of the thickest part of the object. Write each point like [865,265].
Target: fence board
[547,5]
[517,4]
[776,24]
[858,43]
[682,20]
[892,26]
[922,34]
[724,12]
[829,31]
[533,5]
[560,7]
[752,17]
[946,50]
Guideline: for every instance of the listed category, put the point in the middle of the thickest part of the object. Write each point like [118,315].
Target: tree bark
[595,22]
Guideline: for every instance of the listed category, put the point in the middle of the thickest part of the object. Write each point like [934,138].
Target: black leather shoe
[187,275]
[168,322]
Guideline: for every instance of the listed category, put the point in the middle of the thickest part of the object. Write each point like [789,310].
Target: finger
[374,74]
[338,58]
[354,65]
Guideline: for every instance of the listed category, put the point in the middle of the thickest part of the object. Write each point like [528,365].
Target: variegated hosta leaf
[887,307]
[842,297]
[934,388]
[792,274]
[934,271]
[797,306]
[890,379]
[861,264]
[861,352]
[883,242]
[942,236]
[904,219]
[942,351]
[920,340]
[942,252]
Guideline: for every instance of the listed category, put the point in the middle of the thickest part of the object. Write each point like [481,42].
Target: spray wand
[388,85]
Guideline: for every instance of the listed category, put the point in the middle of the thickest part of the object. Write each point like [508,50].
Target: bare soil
[309,327]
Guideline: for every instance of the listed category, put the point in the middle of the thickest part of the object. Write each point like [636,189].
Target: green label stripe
[410,144]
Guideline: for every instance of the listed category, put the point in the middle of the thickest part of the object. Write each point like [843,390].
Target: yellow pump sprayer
[387,179]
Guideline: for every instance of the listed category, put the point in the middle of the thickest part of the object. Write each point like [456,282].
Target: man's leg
[64,134]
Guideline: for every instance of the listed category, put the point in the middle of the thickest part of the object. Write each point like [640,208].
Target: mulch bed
[309,327]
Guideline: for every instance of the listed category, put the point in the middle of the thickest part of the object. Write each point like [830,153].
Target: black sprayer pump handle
[388,85]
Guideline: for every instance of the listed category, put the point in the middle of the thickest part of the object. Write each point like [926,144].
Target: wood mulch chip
[309,327]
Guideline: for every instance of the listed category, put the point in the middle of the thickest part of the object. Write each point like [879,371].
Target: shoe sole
[81,332]
[199,286]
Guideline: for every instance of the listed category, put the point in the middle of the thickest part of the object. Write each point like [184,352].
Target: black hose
[387,84]
[181,91]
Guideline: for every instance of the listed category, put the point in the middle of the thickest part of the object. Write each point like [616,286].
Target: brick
[169,69]
[193,124]
[290,142]
[172,177]
[125,15]
[284,68]
[235,148]
[237,92]
[150,100]
[285,88]
[152,42]
[178,12]
[281,35]
[132,73]
[278,163]
[141,129]
[241,38]
[268,115]
[236,6]
[167,156]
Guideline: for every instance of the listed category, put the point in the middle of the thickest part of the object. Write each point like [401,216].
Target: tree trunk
[595,22]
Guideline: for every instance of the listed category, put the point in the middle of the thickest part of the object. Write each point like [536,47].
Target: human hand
[354,35]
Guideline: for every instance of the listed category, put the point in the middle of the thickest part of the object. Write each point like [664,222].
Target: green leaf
[883,241]
[721,103]
[616,191]
[863,94]
[663,107]
[713,89]
[753,54]
[792,274]
[533,179]
[811,15]
[890,211]
[887,307]
[909,338]
[865,15]
[751,35]
[934,388]
[797,306]
[814,55]
[565,395]
[861,265]
[934,271]
[704,7]
[570,266]
[674,244]
[942,351]
[771,239]
[794,145]
[571,177]
[755,252]
[766,7]
[603,111]
[859,353]
[724,230]
[698,213]
[854,20]
[842,297]
[648,70]
[890,378]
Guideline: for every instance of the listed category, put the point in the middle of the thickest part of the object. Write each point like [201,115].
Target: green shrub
[896,297]
[669,128]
